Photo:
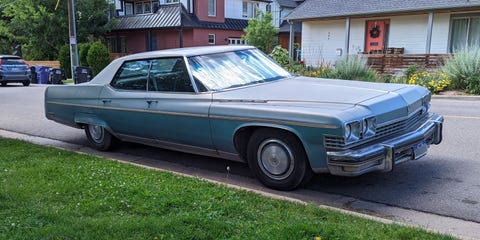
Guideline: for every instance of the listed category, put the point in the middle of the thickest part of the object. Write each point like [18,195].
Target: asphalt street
[444,183]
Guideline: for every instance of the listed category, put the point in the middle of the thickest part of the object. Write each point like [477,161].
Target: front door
[376,36]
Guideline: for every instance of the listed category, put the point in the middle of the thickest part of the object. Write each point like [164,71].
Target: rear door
[176,114]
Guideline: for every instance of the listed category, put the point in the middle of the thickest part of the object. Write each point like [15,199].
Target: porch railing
[397,63]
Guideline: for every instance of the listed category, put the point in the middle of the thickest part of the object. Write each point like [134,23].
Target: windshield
[235,69]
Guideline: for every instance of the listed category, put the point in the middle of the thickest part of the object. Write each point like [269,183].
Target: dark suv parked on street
[14,69]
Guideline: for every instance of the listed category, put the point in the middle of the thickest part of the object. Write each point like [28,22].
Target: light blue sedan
[238,104]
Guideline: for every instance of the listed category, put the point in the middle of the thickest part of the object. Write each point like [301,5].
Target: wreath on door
[375,32]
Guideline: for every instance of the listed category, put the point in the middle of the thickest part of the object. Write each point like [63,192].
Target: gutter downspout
[291,39]
[428,45]
[347,36]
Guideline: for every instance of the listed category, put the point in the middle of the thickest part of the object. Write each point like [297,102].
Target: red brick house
[154,25]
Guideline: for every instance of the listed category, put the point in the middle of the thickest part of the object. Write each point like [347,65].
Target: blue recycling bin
[43,74]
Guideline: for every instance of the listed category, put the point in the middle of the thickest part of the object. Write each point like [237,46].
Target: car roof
[10,56]
[186,52]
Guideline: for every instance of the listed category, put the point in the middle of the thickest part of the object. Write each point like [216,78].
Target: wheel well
[243,135]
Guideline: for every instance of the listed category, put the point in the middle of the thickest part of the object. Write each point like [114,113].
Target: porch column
[429,33]
[291,39]
[347,36]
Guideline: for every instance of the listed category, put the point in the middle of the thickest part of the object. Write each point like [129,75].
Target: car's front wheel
[99,138]
[26,83]
[278,159]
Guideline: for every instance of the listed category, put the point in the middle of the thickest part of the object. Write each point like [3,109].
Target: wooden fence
[52,64]
[397,63]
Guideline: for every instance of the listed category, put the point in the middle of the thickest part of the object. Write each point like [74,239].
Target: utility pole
[72,36]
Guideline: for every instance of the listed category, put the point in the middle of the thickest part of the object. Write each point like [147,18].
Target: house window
[464,33]
[128,8]
[211,38]
[117,47]
[249,9]
[268,8]
[171,1]
[138,8]
[236,41]
[147,7]
[212,8]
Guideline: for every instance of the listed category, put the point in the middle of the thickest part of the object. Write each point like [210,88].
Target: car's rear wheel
[4,84]
[26,83]
[99,138]
[278,159]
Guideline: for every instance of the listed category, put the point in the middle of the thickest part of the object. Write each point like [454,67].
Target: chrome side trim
[181,147]
[244,119]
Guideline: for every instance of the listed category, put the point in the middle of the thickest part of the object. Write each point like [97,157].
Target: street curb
[457,97]
[458,228]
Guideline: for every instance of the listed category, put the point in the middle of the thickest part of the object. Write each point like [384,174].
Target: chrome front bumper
[383,156]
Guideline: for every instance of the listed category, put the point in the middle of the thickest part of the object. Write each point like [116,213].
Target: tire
[278,159]
[4,84]
[99,138]
[26,83]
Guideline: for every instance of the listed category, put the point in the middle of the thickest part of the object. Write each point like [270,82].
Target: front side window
[464,33]
[235,69]
[169,75]
[212,8]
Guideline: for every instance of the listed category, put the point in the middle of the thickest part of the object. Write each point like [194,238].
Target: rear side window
[159,75]
[132,76]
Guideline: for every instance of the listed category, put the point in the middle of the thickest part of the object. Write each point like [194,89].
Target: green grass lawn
[47,193]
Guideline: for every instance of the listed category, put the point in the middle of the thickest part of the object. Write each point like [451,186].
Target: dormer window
[212,8]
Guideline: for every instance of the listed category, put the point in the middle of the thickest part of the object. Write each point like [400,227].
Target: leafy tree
[98,57]
[260,32]
[64,59]
[42,30]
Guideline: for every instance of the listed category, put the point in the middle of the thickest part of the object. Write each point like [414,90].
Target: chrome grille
[338,142]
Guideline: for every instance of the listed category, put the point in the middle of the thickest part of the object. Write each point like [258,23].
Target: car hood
[341,98]
[314,90]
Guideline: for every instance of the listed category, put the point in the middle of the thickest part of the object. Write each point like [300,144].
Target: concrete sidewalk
[376,211]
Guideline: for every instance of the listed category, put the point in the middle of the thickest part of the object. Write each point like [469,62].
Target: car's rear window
[12,61]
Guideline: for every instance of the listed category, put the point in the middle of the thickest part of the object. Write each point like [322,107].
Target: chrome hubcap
[96,132]
[275,159]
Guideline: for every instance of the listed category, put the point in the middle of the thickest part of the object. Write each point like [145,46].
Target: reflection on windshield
[235,69]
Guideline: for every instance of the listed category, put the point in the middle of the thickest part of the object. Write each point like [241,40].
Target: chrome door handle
[152,101]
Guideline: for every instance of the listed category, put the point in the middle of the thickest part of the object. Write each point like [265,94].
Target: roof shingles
[316,9]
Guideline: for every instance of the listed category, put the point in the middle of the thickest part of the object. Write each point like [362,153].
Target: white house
[334,28]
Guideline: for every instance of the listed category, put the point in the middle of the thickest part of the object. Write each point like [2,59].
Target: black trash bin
[33,75]
[57,75]
[82,74]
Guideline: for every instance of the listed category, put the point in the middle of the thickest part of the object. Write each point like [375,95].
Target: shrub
[434,81]
[98,57]
[280,55]
[354,67]
[83,53]
[463,68]
[64,59]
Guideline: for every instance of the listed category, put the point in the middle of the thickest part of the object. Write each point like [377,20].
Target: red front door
[376,36]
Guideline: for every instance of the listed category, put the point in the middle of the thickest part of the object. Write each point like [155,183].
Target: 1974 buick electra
[238,104]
